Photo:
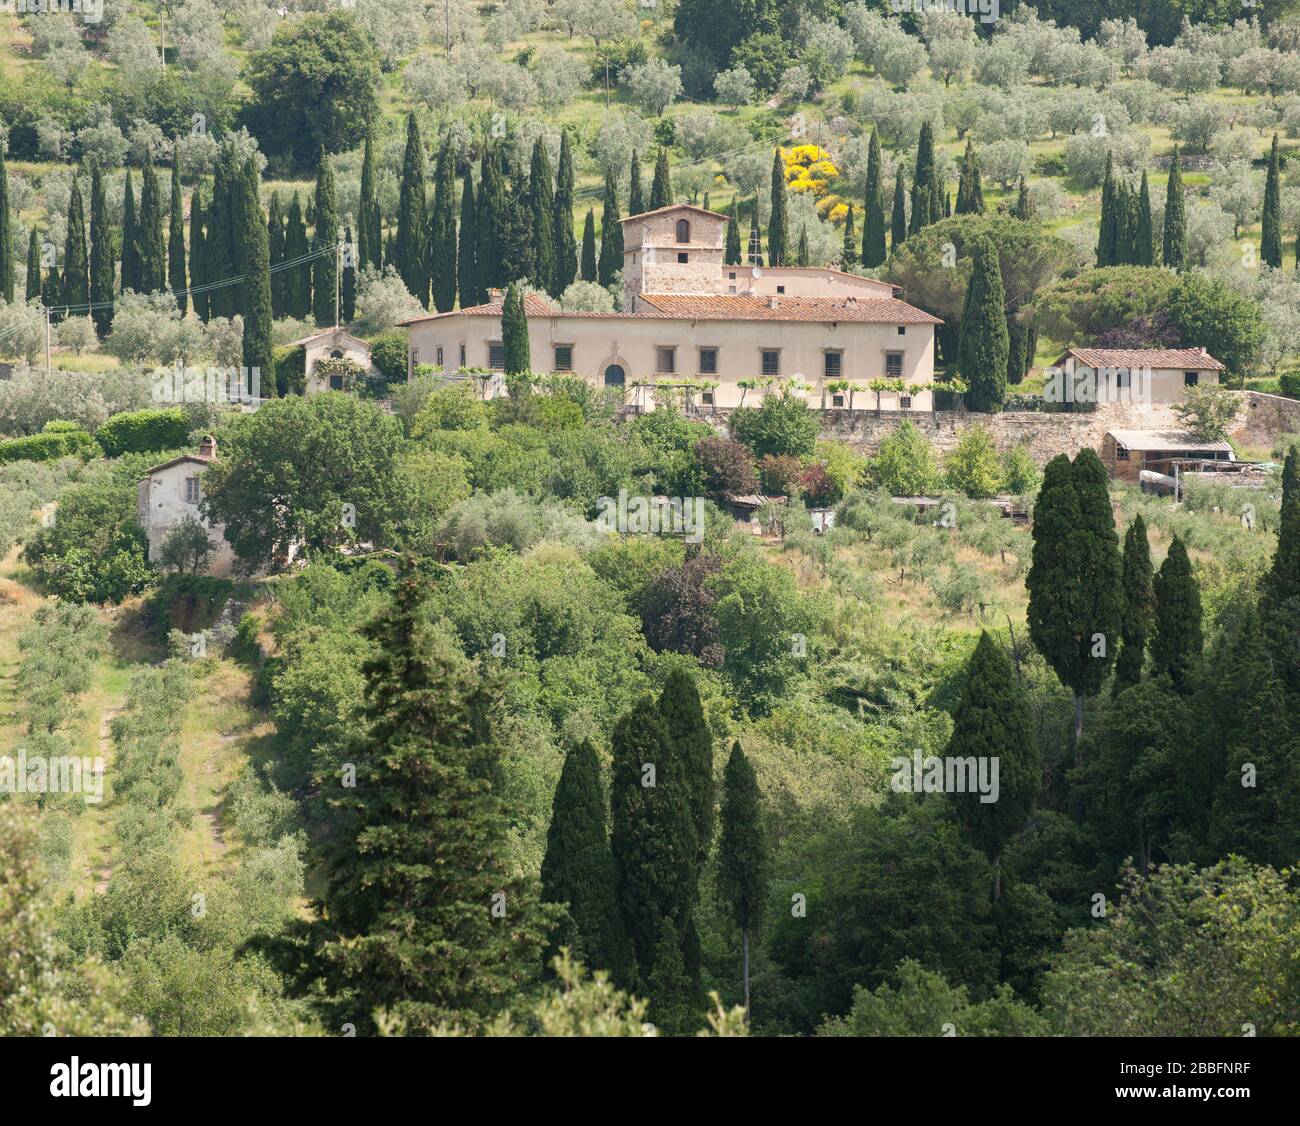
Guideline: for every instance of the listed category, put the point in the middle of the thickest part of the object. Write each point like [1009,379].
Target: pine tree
[898,217]
[1177,640]
[324,269]
[778,222]
[1108,234]
[1075,599]
[611,236]
[412,219]
[259,356]
[578,868]
[275,239]
[985,344]
[369,225]
[176,238]
[423,916]
[442,234]
[1024,208]
[348,284]
[130,240]
[6,235]
[1138,605]
[1270,243]
[992,722]
[1175,232]
[102,264]
[731,255]
[541,200]
[76,265]
[588,270]
[635,202]
[661,190]
[153,257]
[873,227]
[970,191]
[1144,237]
[743,862]
[566,250]
[849,255]
[514,333]
[33,265]
[297,285]
[467,253]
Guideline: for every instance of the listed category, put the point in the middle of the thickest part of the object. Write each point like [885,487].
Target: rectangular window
[1191,378]
[706,397]
[563,357]
[893,365]
[415,358]
[780,289]
[193,491]
[771,361]
[439,355]
[832,364]
[666,360]
[497,356]
[904,401]
[837,400]
[1122,377]
[731,289]
[708,361]
[1121,454]
[902,330]
[462,355]
[682,256]
[731,276]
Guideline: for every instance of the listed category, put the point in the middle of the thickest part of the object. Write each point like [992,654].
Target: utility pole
[47,342]
[338,274]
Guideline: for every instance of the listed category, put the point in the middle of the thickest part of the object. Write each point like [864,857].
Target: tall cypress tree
[541,199]
[130,240]
[873,227]
[661,190]
[258,352]
[692,746]
[153,255]
[1138,605]
[467,252]
[1177,639]
[731,255]
[1175,231]
[1075,601]
[992,722]
[324,270]
[370,247]
[297,283]
[985,344]
[412,219]
[1270,243]
[1108,233]
[611,236]
[198,255]
[801,256]
[1024,207]
[491,211]
[348,285]
[517,231]
[275,238]
[6,235]
[778,222]
[423,916]
[578,868]
[1284,578]
[33,288]
[588,267]
[442,234]
[219,261]
[566,250]
[176,237]
[849,255]
[927,192]
[743,862]
[514,333]
[76,264]
[635,202]
[101,255]
[1144,238]
[898,217]
[970,191]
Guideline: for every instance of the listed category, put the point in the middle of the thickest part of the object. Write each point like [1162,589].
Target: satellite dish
[758,271]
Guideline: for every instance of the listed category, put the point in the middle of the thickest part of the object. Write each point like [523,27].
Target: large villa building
[690,317]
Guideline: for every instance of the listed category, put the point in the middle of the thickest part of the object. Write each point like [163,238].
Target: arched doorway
[615,376]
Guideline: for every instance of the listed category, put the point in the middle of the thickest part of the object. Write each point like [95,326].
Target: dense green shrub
[47,446]
[146,431]
[388,355]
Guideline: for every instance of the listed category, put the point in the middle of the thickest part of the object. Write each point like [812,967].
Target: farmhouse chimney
[208,447]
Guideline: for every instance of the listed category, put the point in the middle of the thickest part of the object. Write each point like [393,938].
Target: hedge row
[46,447]
[144,432]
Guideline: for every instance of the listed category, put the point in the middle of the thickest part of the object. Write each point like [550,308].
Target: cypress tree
[992,721]
[467,255]
[947,204]
[102,263]
[1024,208]
[849,255]
[51,291]
[731,256]
[198,256]
[324,270]
[1138,605]
[420,861]
[369,226]
[970,191]
[275,239]
[348,284]
[578,868]
[1144,237]
[442,234]
[1177,640]
[517,232]
[985,344]
[566,250]
[130,240]
[541,199]
[256,289]
[514,333]
[1270,243]
[76,263]
[672,993]
[1108,234]
[33,265]
[1075,600]
[635,203]
[1175,231]
[6,235]
[801,258]
[488,255]
[588,269]
[927,192]
[692,746]
[219,263]
[176,237]
[153,257]
[611,236]
[297,283]
[412,219]
[898,217]
[778,222]
[873,227]
[743,863]
[661,190]
[1284,578]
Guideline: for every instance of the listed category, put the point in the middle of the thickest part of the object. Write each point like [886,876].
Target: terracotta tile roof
[1193,359]
[177,461]
[675,207]
[871,310]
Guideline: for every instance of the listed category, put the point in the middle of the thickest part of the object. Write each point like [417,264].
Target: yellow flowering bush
[808,170]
